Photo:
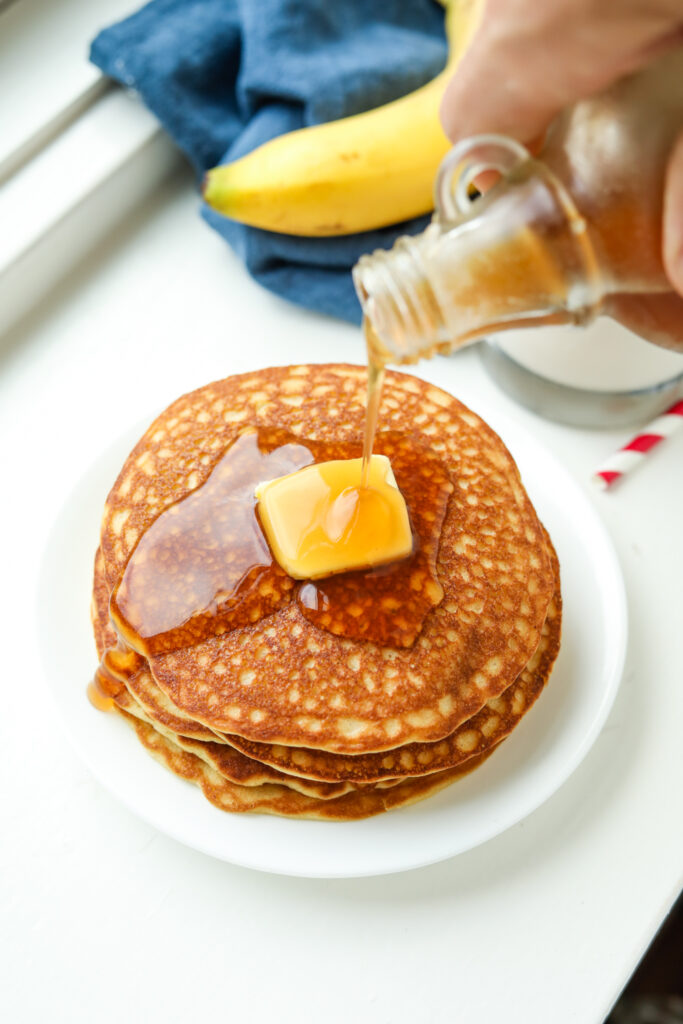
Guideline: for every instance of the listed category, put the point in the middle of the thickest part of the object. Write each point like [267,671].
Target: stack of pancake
[282,716]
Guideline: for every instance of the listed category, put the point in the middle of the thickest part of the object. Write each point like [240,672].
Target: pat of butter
[319,521]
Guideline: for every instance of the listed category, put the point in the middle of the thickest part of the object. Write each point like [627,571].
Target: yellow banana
[354,174]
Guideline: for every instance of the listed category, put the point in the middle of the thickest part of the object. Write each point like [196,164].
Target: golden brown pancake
[103,631]
[222,758]
[232,786]
[479,734]
[483,731]
[475,736]
[285,681]
[231,764]
[280,800]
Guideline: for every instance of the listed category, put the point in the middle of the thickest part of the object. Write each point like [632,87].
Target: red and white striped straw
[633,453]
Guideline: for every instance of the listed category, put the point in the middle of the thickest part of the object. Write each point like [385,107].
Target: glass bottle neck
[523,255]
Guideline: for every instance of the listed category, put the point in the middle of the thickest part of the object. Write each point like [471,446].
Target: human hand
[530,60]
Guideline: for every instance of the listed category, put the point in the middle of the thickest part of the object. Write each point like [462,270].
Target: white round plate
[529,766]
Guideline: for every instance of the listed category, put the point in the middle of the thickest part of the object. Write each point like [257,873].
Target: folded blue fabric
[225,76]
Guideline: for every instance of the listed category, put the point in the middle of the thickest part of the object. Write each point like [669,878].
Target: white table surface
[105,920]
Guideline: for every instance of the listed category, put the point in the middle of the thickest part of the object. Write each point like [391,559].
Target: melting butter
[320,521]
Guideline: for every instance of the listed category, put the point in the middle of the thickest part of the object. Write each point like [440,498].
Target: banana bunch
[354,174]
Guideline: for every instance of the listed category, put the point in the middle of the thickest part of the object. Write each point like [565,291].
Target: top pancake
[284,680]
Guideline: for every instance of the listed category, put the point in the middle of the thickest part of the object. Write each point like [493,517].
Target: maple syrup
[118,664]
[376,369]
[98,696]
[204,566]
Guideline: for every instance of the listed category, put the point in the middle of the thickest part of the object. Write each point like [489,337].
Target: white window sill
[44,69]
[77,154]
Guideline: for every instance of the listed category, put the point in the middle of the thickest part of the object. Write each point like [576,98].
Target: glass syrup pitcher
[554,237]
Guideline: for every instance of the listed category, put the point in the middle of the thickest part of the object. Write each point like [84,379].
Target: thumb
[657,318]
[527,60]
[673,217]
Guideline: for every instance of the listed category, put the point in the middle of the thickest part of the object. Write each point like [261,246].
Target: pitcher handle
[464,163]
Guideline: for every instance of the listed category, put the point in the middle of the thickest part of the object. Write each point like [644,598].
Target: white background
[104,920]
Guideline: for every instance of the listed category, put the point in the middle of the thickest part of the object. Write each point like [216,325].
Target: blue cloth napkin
[224,76]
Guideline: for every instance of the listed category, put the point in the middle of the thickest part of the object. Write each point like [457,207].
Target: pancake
[222,758]
[283,680]
[103,631]
[232,786]
[163,713]
[231,764]
[105,636]
[280,800]
[484,730]
[475,736]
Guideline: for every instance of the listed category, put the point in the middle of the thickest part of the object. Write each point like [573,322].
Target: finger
[488,93]
[657,318]
[673,217]
[528,61]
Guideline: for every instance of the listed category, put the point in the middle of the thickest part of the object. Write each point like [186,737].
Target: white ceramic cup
[597,376]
